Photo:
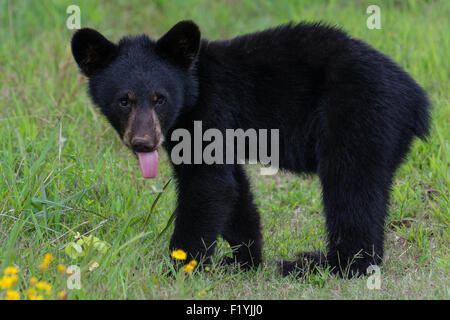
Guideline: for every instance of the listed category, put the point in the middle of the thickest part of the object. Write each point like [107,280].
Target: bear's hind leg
[355,198]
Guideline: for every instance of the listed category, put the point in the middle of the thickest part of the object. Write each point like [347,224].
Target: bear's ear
[180,44]
[92,51]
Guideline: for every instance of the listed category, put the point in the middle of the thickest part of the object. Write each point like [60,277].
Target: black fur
[344,110]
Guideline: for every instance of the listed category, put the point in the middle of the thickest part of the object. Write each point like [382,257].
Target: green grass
[63,170]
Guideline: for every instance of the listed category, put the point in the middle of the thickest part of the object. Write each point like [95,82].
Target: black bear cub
[343,110]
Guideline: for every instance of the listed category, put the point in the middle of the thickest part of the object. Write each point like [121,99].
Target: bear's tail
[422,116]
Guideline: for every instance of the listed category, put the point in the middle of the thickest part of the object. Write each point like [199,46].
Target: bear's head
[141,85]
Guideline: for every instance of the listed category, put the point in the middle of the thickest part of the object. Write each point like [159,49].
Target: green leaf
[74,250]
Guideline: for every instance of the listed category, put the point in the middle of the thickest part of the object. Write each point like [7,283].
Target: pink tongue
[149,163]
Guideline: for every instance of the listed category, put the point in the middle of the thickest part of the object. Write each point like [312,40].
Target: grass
[63,170]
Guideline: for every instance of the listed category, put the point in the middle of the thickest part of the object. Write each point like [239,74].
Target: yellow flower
[46,261]
[43,266]
[39,297]
[7,282]
[188,268]
[12,295]
[33,281]
[202,293]
[62,295]
[193,263]
[48,257]
[179,254]
[31,292]
[41,285]
[11,271]
[61,268]
[3,283]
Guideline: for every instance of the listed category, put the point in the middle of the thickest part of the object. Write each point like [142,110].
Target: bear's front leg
[206,198]
[243,228]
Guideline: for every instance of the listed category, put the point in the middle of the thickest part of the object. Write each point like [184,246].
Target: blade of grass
[152,209]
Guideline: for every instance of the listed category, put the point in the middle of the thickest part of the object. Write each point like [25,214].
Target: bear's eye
[161,100]
[158,99]
[123,102]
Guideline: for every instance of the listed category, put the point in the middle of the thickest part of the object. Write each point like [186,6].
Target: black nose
[142,144]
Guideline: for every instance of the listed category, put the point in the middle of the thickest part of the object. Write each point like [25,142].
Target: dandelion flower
[193,263]
[48,257]
[7,282]
[46,262]
[179,254]
[31,292]
[62,295]
[11,271]
[37,297]
[61,268]
[2,283]
[188,268]
[43,266]
[12,295]
[33,281]
[202,293]
[41,285]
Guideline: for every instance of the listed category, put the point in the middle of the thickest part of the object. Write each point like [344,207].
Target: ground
[63,170]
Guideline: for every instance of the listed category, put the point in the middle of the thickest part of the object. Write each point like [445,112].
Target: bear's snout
[143,144]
